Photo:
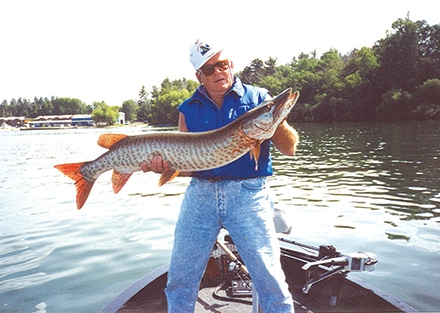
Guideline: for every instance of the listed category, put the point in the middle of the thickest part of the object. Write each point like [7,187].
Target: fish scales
[184,152]
[130,152]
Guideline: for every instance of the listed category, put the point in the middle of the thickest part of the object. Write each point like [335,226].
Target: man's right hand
[157,165]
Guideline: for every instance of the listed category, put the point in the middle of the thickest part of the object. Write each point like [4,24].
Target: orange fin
[119,180]
[255,154]
[167,176]
[108,140]
[83,186]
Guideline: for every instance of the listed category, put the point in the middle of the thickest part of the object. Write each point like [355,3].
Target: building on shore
[12,121]
[55,121]
[121,118]
[82,120]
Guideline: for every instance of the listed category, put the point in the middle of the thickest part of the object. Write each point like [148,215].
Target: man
[235,196]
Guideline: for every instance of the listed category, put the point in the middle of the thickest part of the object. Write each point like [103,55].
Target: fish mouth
[268,116]
[282,103]
[278,108]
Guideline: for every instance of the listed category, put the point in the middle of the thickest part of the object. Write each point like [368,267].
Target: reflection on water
[380,167]
[356,186]
[370,187]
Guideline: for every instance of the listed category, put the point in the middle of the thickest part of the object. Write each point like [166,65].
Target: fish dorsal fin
[108,140]
[119,180]
[255,154]
[167,176]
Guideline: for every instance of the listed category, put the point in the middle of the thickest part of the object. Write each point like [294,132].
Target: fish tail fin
[83,186]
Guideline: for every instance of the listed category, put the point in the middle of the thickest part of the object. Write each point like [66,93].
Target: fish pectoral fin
[167,176]
[108,140]
[255,154]
[119,180]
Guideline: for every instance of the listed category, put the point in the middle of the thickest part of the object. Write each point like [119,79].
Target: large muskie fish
[184,151]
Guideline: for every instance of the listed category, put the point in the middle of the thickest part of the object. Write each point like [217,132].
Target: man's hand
[157,165]
[285,139]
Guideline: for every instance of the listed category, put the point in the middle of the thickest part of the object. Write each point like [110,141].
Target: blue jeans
[245,209]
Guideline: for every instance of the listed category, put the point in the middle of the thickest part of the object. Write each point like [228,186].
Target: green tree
[166,99]
[104,114]
[258,70]
[396,105]
[426,100]
[44,106]
[253,73]
[143,96]
[12,109]
[429,51]
[359,95]
[61,106]
[22,107]
[144,105]
[306,76]
[399,56]
[4,108]
[130,108]
[143,113]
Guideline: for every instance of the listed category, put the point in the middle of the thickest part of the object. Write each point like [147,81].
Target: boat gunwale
[393,300]
[121,299]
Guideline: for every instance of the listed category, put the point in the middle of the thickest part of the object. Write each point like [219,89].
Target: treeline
[44,106]
[396,79]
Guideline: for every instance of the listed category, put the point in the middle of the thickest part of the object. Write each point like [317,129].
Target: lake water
[369,187]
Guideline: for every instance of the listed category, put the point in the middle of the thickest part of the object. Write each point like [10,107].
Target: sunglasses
[208,70]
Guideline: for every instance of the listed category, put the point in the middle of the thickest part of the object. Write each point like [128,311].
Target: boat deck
[335,293]
[207,303]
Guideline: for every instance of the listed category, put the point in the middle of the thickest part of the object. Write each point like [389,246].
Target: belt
[215,179]
[219,178]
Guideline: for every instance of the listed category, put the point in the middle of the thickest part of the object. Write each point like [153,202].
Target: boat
[318,278]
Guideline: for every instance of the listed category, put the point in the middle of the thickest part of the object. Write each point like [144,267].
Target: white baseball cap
[200,53]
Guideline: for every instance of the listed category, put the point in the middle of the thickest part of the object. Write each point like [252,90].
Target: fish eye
[269,106]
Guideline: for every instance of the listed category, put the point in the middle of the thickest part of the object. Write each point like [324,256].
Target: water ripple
[369,187]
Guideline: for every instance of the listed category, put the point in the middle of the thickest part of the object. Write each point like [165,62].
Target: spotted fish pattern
[184,152]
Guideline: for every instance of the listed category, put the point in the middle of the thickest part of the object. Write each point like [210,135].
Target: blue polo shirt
[202,114]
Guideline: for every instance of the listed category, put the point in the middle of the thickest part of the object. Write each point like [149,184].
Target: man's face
[221,79]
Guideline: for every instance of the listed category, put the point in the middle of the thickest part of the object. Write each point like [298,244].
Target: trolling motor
[353,262]
[333,261]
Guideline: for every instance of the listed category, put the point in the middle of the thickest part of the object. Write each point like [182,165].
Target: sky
[106,50]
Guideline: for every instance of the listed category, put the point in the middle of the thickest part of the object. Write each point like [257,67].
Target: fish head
[262,121]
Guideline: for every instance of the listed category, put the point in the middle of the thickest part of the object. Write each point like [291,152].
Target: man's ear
[199,77]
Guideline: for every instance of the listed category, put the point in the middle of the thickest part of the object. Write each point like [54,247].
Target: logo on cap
[203,48]
[200,52]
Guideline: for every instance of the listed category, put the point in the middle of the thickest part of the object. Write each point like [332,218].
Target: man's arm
[285,139]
